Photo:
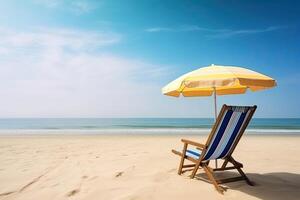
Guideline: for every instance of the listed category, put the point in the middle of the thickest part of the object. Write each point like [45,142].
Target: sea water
[140,125]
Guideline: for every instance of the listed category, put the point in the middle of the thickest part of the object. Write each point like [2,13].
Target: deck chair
[225,135]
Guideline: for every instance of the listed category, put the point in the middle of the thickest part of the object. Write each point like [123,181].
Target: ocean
[140,125]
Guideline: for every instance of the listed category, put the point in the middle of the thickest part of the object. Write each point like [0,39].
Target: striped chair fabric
[225,135]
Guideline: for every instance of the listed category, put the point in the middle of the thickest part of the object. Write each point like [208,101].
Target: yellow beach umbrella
[218,80]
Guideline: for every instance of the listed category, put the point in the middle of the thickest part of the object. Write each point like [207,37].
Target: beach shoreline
[145,131]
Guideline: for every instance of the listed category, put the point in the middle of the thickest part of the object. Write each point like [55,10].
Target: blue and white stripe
[226,134]
[193,153]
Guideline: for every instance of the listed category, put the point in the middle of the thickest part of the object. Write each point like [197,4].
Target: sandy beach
[97,95]
[138,167]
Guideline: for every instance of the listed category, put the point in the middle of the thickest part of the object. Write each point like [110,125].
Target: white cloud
[49,3]
[185,28]
[60,72]
[82,7]
[75,40]
[214,33]
[76,6]
[230,33]
[159,29]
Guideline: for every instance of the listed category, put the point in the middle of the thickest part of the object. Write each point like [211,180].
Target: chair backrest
[227,131]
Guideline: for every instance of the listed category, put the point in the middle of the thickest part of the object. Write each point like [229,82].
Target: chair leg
[237,166]
[212,179]
[195,170]
[225,163]
[182,159]
[245,177]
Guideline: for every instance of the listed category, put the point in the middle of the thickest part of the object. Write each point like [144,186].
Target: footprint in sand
[73,192]
[119,174]
[7,193]
[84,177]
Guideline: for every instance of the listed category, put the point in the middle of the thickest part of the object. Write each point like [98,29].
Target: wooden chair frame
[204,164]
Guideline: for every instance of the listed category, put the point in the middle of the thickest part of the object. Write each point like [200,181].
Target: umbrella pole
[215,102]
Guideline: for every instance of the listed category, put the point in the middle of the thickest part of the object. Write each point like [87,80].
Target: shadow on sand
[269,186]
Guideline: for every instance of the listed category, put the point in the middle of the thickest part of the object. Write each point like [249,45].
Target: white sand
[138,167]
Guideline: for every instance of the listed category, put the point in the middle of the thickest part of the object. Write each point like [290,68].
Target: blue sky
[110,58]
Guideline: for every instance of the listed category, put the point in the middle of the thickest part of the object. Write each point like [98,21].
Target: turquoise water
[143,124]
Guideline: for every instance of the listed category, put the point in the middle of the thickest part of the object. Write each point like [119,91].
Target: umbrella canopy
[222,80]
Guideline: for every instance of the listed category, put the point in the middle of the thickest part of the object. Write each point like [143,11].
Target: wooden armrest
[201,146]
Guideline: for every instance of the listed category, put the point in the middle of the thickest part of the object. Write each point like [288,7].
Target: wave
[142,131]
[144,124]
